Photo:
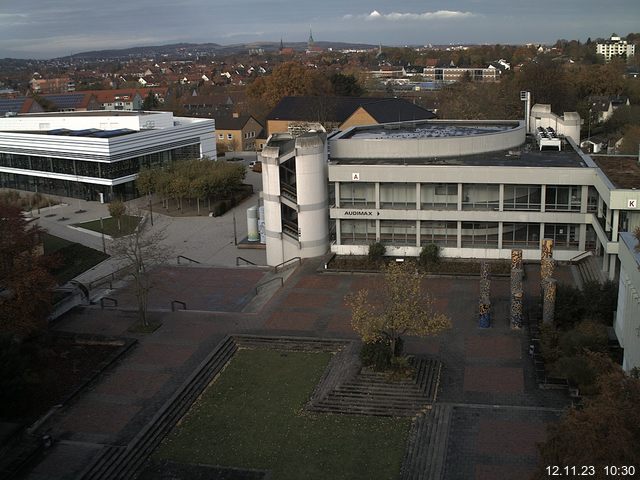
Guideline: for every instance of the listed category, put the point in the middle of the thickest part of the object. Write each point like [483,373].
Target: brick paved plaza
[498,412]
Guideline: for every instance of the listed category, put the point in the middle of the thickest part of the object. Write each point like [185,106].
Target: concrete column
[614,225]
[337,194]
[377,230]
[501,201]
[459,197]
[605,259]
[417,233]
[612,266]
[459,239]
[543,199]
[584,196]
[377,194]
[607,223]
[541,235]
[338,232]
[418,199]
[582,237]
[500,234]
[600,203]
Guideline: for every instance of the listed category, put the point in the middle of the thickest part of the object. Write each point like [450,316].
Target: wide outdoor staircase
[374,393]
[588,269]
[427,449]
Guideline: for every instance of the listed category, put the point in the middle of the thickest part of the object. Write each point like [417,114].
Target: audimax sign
[361,213]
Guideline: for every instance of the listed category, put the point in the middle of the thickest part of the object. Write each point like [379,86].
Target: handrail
[108,278]
[586,254]
[186,258]
[115,302]
[244,260]
[173,305]
[259,286]
[283,264]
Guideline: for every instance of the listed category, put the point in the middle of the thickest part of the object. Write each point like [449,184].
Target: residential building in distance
[340,112]
[602,107]
[615,47]
[95,155]
[456,74]
[238,132]
[52,85]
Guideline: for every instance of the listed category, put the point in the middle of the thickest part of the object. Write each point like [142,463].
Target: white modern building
[95,155]
[475,188]
[627,320]
[615,47]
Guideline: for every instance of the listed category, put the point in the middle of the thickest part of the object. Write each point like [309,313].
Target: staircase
[427,449]
[588,270]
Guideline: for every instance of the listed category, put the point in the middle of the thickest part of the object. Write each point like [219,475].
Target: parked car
[256,166]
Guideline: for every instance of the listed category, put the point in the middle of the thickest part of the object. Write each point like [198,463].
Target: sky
[53,28]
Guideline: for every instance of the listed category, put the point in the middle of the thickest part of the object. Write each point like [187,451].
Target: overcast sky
[51,28]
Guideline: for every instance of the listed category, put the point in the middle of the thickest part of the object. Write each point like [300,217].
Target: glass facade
[444,234]
[563,198]
[565,236]
[439,196]
[398,196]
[480,196]
[398,232]
[522,197]
[362,195]
[357,232]
[480,234]
[520,235]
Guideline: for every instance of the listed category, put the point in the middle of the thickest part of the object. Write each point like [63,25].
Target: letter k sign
[632,203]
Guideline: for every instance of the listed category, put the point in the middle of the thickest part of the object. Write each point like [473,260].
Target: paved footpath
[498,412]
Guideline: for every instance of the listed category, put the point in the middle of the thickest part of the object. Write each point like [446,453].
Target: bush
[377,251]
[578,371]
[587,335]
[429,255]
[376,355]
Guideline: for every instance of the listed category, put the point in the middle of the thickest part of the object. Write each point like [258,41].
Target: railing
[247,262]
[286,263]
[259,286]
[186,258]
[114,302]
[579,257]
[110,278]
[178,302]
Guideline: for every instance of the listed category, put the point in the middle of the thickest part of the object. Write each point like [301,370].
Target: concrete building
[295,195]
[615,47]
[475,188]
[627,319]
[95,155]
[455,74]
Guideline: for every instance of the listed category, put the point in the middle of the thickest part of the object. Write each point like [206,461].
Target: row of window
[85,168]
[473,234]
[247,135]
[444,196]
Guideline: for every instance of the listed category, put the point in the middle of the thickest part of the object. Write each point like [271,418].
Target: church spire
[310,42]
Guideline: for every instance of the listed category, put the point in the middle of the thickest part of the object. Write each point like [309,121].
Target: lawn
[128,224]
[74,258]
[252,417]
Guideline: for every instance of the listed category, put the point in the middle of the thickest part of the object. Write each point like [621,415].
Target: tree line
[202,180]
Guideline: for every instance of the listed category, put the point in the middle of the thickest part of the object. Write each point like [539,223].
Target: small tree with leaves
[402,307]
[117,209]
[141,252]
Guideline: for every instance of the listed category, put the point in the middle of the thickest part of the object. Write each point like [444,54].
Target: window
[398,196]
[221,136]
[480,235]
[523,235]
[357,195]
[357,232]
[563,197]
[565,236]
[444,234]
[398,232]
[522,197]
[229,136]
[480,196]
[439,196]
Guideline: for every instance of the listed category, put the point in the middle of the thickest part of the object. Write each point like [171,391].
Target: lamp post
[589,133]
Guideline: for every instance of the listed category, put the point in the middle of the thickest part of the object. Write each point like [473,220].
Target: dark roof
[229,122]
[18,105]
[338,109]
[624,172]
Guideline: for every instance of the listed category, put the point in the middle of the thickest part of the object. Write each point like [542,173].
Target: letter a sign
[632,203]
[355,177]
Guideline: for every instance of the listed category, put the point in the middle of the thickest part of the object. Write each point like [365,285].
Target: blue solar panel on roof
[112,133]
[59,131]
[83,133]
[65,101]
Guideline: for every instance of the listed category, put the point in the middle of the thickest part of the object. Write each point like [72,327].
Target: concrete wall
[627,320]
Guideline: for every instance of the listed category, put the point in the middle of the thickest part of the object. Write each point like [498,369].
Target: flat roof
[527,155]
[90,113]
[623,171]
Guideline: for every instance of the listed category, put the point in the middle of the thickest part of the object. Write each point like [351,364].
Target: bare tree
[141,251]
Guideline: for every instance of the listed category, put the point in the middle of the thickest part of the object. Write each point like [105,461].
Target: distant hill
[190,49]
